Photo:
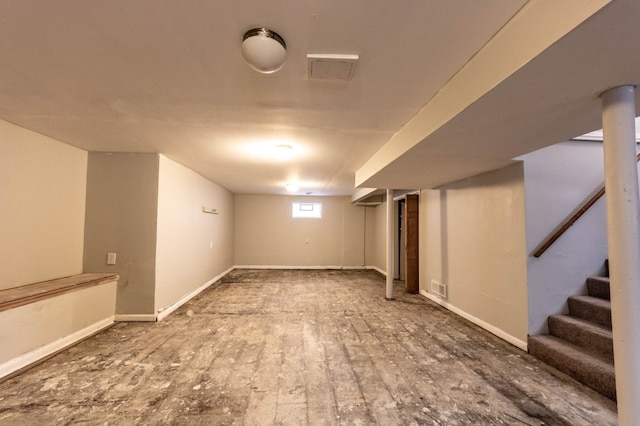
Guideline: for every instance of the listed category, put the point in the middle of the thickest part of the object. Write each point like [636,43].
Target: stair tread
[591,308]
[584,323]
[590,369]
[572,350]
[600,278]
[591,337]
[593,301]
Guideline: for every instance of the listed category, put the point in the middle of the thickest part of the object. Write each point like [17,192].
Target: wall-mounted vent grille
[439,289]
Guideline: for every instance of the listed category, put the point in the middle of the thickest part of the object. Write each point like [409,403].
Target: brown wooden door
[411,261]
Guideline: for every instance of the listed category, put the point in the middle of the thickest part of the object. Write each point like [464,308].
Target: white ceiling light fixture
[292,187]
[264,50]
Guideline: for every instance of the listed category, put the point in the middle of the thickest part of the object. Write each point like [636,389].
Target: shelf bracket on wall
[209,210]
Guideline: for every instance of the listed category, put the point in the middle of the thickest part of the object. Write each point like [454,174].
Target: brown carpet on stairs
[580,344]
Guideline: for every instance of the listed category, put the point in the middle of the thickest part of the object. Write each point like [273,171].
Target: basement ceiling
[167,76]
[441,90]
[538,82]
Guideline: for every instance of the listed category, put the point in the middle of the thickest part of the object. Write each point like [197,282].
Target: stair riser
[598,287]
[591,341]
[590,312]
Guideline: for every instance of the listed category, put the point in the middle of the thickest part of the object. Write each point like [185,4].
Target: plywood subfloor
[299,347]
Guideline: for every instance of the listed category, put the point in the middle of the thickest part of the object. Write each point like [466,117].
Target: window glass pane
[307,210]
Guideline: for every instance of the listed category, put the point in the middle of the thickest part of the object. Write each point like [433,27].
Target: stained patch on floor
[293,347]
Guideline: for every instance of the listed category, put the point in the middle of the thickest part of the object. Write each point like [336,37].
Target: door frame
[407,231]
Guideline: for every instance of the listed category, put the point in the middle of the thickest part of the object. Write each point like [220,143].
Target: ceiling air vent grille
[331,66]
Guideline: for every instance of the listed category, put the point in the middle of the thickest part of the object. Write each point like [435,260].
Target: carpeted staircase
[580,344]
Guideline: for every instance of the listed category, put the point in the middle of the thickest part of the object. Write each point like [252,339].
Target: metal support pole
[623,227]
[390,244]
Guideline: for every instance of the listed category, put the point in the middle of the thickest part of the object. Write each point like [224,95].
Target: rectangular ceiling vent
[439,289]
[331,66]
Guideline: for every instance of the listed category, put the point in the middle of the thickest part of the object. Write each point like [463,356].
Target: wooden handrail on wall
[569,222]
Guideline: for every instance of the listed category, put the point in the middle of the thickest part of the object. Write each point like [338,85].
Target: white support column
[390,244]
[623,226]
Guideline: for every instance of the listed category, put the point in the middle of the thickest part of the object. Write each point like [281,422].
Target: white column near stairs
[623,227]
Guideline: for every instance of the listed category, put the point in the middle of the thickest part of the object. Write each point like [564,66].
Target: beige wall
[378,257]
[267,235]
[122,199]
[370,237]
[473,240]
[192,247]
[39,329]
[42,199]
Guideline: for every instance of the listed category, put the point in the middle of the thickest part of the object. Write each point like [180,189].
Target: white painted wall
[557,180]
[473,240]
[39,329]
[370,236]
[193,247]
[122,200]
[42,199]
[354,230]
[378,258]
[267,235]
[43,186]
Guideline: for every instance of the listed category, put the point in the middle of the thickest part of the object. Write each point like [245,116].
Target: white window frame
[306,210]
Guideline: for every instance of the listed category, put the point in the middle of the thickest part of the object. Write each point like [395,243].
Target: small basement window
[307,210]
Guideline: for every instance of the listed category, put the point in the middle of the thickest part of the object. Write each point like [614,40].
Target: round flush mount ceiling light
[264,50]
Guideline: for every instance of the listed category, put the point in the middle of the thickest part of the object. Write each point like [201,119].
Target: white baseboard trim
[375,268]
[36,355]
[311,267]
[490,328]
[163,313]
[135,318]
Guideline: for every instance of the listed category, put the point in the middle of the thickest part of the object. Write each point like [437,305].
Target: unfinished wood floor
[299,347]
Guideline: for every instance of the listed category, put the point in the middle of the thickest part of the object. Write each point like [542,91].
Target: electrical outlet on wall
[111,258]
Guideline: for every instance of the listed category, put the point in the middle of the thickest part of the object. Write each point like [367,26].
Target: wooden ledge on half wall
[13,297]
